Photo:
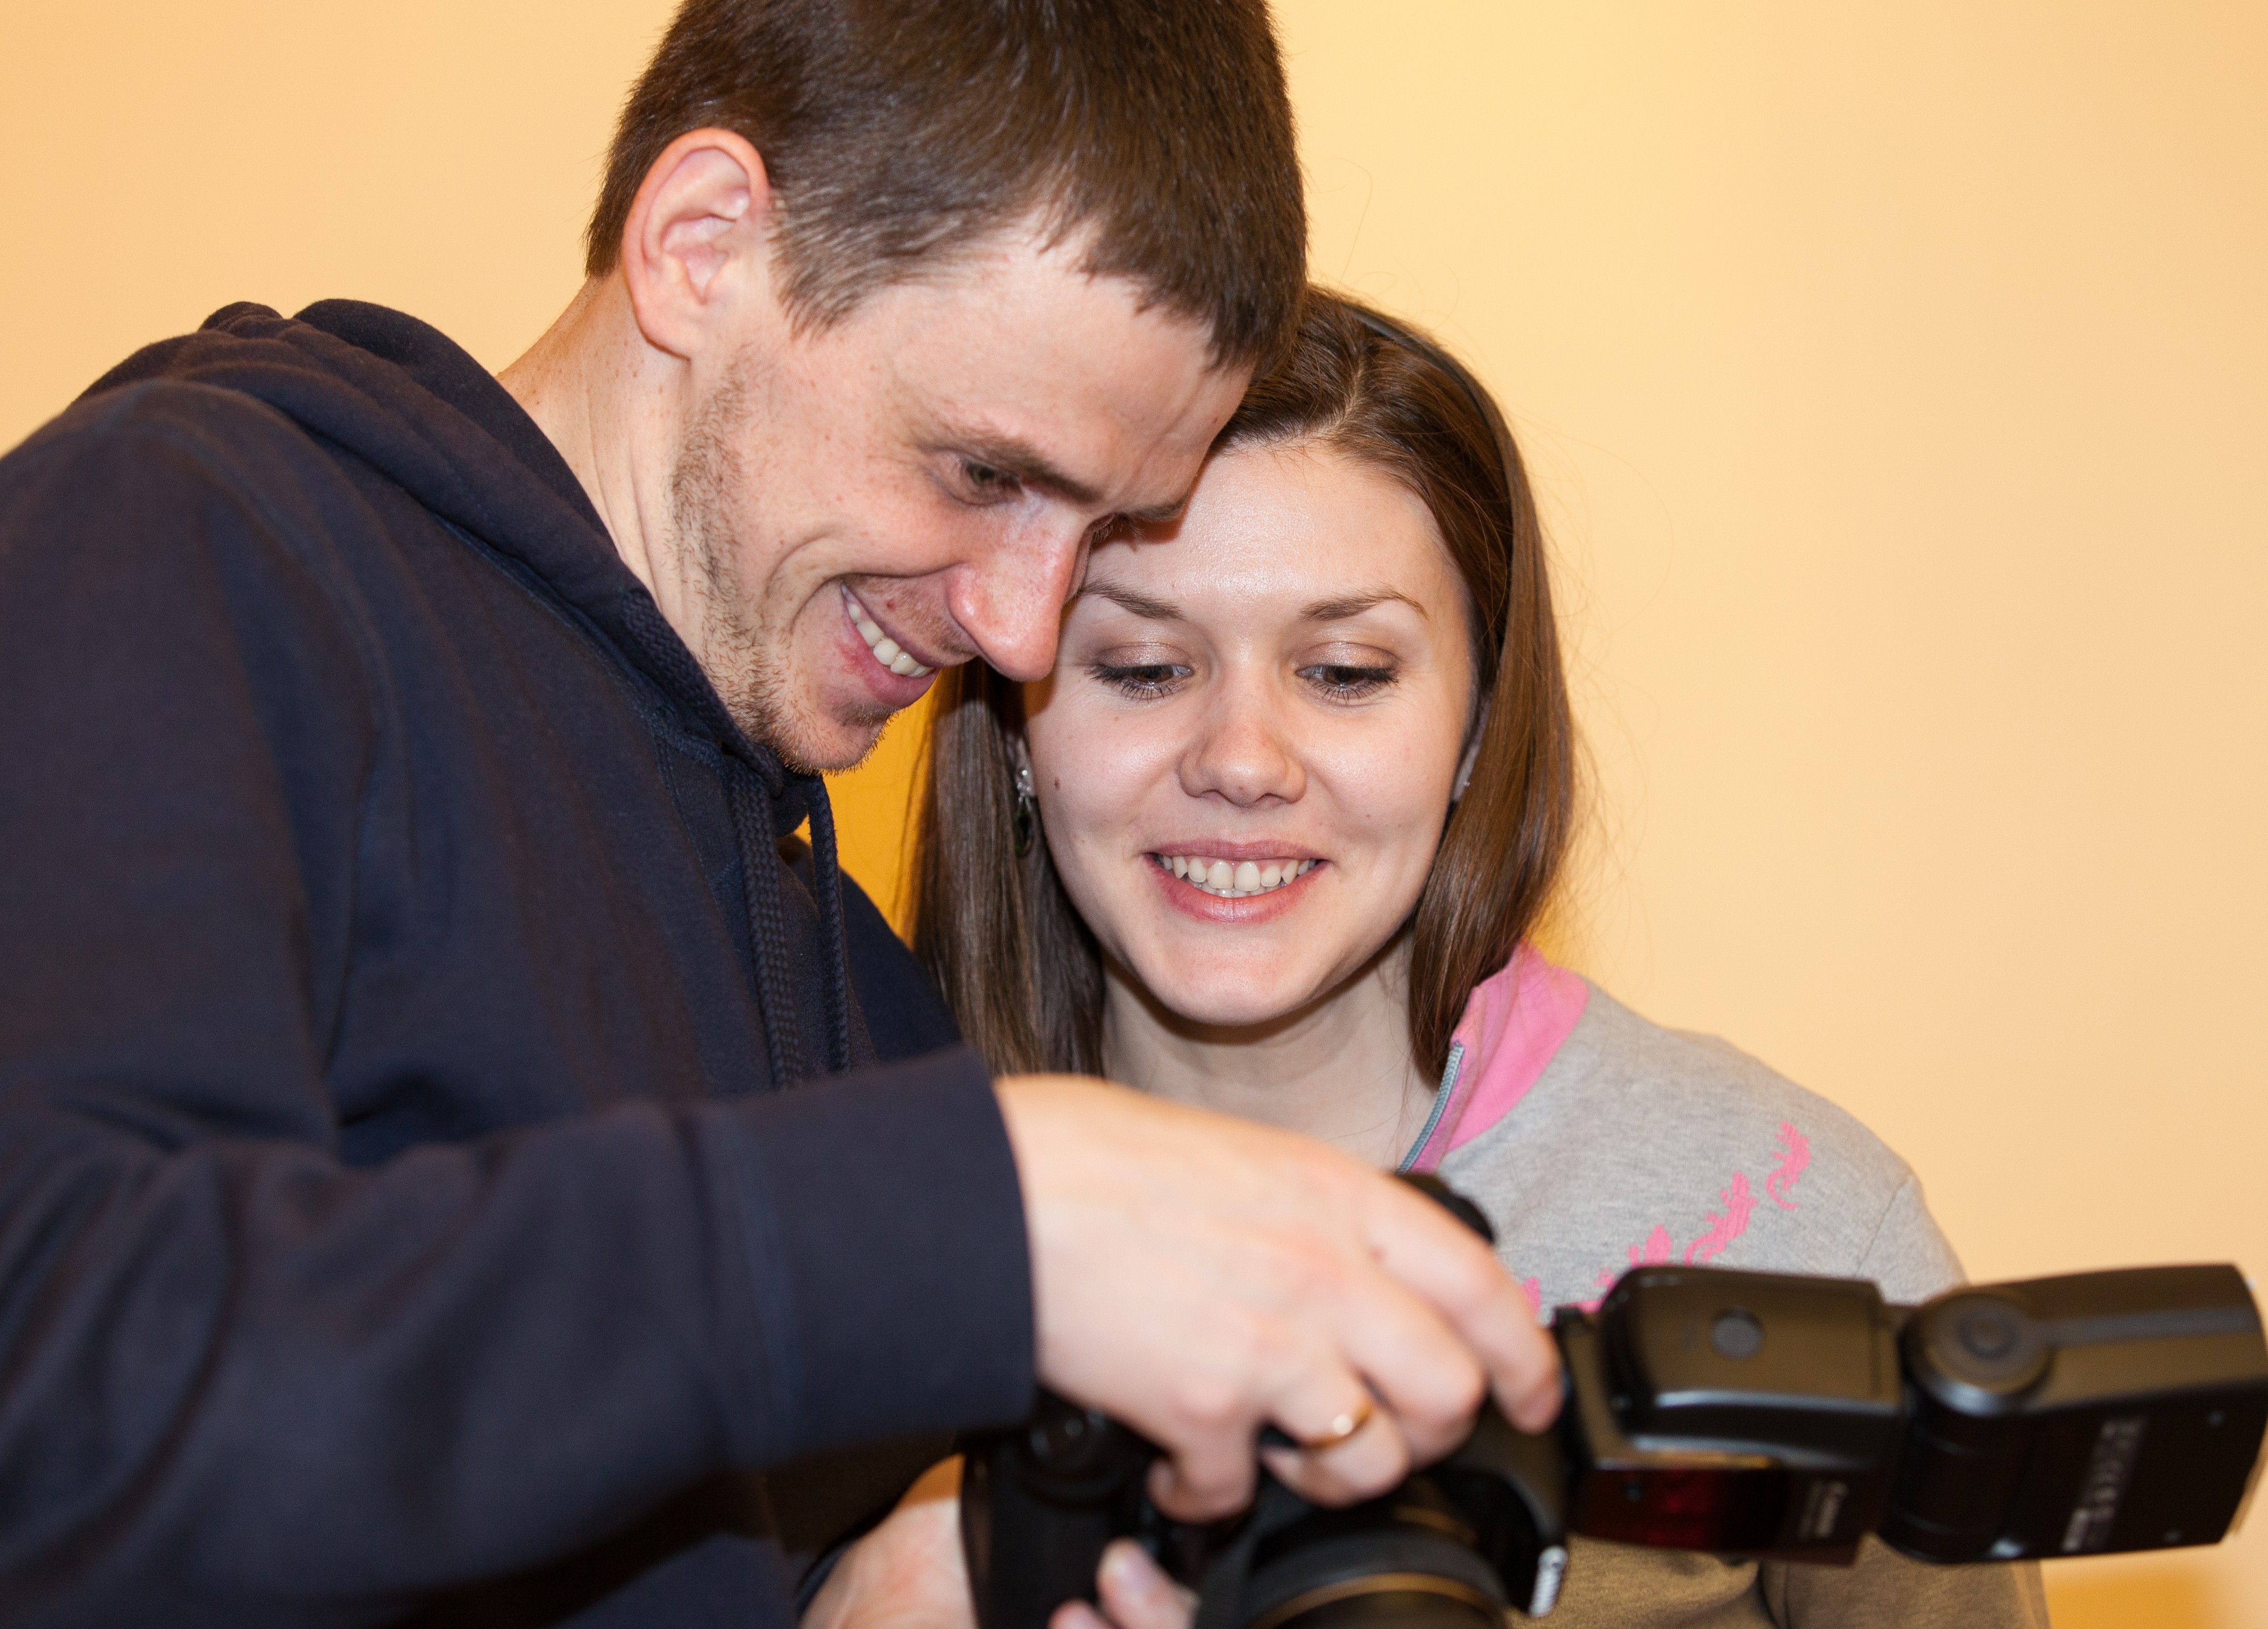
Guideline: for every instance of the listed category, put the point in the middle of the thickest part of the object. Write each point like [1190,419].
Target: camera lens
[1389,1604]
[1408,1561]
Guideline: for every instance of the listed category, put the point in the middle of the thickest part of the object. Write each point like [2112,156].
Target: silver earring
[1026,822]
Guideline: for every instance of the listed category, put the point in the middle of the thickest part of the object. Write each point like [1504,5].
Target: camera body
[1751,1414]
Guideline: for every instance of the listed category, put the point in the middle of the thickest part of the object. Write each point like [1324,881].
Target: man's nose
[1241,752]
[1010,601]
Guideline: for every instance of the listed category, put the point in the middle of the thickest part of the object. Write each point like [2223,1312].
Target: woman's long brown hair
[1019,969]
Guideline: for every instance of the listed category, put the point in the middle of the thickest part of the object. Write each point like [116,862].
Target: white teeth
[1235,881]
[885,648]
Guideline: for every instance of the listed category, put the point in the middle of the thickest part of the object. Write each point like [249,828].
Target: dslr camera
[1749,1414]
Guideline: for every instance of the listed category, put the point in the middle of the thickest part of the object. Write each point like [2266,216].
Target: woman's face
[1246,749]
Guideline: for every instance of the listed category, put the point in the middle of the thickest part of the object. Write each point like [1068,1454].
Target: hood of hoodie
[409,402]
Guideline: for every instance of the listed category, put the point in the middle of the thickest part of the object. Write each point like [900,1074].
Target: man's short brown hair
[896,132]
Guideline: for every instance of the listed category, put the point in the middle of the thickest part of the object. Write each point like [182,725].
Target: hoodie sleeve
[242,1383]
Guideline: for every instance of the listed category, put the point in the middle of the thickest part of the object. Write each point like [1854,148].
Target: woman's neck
[1338,1069]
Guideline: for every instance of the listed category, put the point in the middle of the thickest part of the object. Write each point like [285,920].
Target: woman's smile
[1233,870]
[1248,893]
[1246,878]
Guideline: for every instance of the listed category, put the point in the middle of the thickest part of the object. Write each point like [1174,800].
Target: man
[422,1191]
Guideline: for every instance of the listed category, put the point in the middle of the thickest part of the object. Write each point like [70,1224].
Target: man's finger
[1419,1244]
[1206,1480]
[1370,1459]
[1423,1376]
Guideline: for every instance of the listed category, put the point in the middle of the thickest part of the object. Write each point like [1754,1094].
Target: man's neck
[1338,1069]
[595,389]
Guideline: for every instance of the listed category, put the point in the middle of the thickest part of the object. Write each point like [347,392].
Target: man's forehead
[1026,346]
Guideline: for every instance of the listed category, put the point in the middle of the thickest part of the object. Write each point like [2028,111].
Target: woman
[1271,840]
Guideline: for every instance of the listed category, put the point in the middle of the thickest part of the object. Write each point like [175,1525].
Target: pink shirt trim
[1514,1025]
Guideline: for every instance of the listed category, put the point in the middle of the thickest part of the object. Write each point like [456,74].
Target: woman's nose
[1242,754]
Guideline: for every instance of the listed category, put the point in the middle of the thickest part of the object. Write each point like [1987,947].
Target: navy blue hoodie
[422,1191]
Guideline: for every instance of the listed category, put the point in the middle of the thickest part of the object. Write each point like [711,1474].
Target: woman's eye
[1140,679]
[1345,681]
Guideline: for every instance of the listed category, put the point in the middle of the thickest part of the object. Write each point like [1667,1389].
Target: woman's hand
[1136,1594]
[909,1573]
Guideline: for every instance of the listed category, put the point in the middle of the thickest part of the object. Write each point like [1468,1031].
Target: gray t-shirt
[1635,1144]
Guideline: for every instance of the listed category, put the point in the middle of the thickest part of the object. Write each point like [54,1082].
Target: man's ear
[696,246]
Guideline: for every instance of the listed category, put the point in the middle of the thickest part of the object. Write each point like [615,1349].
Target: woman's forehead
[1299,526]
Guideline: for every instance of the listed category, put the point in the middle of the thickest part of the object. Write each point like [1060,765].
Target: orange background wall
[1894,378]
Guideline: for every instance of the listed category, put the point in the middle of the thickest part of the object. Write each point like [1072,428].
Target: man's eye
[988,480]
[1345,681]
[1140,679]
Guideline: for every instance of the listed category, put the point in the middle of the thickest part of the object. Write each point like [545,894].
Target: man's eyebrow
[1134,601]
[1020,459]
[1157,514]
[1355,604]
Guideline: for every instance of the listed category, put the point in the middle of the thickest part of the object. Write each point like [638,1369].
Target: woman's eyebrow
[1132,600]
[1355,604]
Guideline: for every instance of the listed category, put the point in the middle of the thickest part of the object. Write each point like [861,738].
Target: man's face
[915,487]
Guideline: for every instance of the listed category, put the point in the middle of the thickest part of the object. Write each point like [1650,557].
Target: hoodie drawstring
[834,936]
[763,875]
[753,779]
[760,873]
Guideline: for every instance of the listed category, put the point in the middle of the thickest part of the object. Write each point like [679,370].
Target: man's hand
[1199,1277]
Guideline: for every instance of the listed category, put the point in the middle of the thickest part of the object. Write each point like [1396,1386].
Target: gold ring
[1342,1427]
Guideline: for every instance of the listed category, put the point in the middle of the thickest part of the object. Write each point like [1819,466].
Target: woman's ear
[1472,751]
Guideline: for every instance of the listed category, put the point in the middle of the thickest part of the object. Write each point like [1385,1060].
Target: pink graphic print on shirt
[1795,1153]
[1725,1226]
[1658,1248]
[1723,1229]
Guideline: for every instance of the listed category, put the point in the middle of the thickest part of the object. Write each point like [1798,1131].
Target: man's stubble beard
[710,497]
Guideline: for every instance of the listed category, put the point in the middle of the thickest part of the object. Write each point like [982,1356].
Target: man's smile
[888,651]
